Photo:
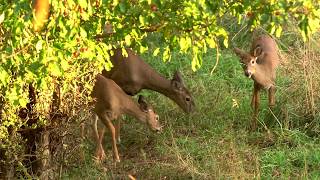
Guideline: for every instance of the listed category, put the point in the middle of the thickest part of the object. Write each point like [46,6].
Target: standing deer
[260,64]
[110,103]
[132,74]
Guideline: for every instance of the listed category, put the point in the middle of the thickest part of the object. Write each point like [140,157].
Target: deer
[133,74]
[260,64]
[110,102]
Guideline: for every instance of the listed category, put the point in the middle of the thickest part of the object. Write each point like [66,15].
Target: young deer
[110,103]
[260,64]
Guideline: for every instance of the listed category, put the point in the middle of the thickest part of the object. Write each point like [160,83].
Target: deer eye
[252,61]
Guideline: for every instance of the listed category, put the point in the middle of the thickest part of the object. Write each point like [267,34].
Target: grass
[215,141]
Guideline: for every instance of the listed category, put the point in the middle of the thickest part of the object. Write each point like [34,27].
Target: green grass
[214,142]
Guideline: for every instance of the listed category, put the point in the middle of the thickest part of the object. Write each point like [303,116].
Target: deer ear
[176,85]
[143,104]
[257,51]
[177,77]
[243,55]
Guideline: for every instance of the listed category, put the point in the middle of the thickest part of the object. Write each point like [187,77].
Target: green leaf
[34,67]
[122,7]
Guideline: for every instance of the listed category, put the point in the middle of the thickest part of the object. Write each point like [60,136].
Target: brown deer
[110,103]
[260,64]
[132,74]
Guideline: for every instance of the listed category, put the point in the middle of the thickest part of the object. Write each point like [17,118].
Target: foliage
[74,43]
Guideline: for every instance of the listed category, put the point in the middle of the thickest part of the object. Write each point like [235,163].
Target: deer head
[180,93]
[250,62]
[152,116]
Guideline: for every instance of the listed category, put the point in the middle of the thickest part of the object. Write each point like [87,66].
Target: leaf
[156,52]
[23,102]
[185,43]
[124,52]
[166,54]
[273,29]
[39,45]
[141,20]
[55,70]
[35,67]
[64,64]
[127,39]
[211,42]
[143,49]
[122,7]
[225,42]
[1,17]
[278,31]
[83,3]
[83,33]
[3,76]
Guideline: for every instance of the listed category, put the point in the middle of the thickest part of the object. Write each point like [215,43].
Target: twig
[217,60]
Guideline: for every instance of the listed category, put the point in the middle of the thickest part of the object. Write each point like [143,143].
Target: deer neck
[264,77]
[154,81]
[132,109]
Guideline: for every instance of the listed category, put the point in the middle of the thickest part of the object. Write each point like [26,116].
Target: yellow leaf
[156,52]
[278,31]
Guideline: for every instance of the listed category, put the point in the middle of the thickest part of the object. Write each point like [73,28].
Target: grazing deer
[132,74]
[110,103]
[260,64]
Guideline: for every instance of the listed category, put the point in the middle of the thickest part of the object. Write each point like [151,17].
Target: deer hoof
[253,125]
[100,155]
[117,160]
[272,104]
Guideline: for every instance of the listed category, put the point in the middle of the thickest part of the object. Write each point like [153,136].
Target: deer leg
[98,135]
[256,103]
[253,100]
[108,123]
[271,95]
[117,127]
